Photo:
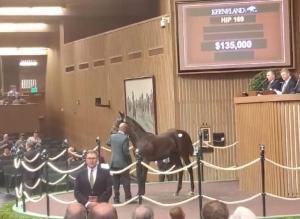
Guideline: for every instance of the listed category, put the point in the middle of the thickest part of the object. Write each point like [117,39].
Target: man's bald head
[123,127]
[103,211]
[143,212]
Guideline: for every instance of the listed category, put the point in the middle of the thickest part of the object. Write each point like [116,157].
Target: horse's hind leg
[178,164]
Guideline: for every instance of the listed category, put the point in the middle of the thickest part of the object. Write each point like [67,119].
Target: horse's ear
[122,114]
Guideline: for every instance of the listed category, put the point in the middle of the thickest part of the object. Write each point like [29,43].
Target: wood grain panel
[276,125]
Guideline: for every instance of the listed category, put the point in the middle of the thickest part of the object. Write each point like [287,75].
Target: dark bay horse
[174,143]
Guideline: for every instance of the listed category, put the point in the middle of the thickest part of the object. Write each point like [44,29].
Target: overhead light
[28,62]
[11,51]
[23,27]
[32,11]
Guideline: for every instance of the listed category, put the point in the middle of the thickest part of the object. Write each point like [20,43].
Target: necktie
[91,178]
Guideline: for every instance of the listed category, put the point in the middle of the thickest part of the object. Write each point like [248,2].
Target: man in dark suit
[273,83]
[289,82]
[297,87]
[93,184]
[120,158]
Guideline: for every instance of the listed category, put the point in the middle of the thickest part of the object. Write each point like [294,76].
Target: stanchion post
[45,157]
[98,143]
[21,156]
[65,146]
[200,172]
[23,196]
[263,185]
[139,174]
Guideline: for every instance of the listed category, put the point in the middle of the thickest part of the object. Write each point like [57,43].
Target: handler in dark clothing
[120,158]
[93,184]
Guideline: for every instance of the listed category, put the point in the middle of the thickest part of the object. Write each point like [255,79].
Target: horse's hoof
[176,194]
[191,193]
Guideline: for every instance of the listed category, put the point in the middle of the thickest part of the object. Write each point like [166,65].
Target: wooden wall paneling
[276,126]
[53,122]
[209,99]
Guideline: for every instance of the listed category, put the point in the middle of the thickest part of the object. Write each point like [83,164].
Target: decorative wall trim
[135,55]
[156,51]
[99,62]
[83,66]
[70,68]
[116,59]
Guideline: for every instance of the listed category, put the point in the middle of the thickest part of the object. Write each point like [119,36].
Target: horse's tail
[184,142]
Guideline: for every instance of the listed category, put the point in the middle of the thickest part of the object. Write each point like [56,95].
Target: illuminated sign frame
[204,30]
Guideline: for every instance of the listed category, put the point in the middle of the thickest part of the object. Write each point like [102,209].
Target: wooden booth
[272,120]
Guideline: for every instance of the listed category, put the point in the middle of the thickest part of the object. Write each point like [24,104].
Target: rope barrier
[19,191]
[57,181]
[282,166]
[127,202]
[234,202]
[33,159]
[170,172]
[223,147]
[109,150]
[230,168]
[170,204]
[34,186]
[33,200]
[58,156]
[32,169]
[75,154]
[71,177]
[64,171]
[112,172]
[17,163]
[61,201]
[283,198]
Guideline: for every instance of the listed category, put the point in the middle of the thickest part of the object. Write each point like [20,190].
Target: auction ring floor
[163,192]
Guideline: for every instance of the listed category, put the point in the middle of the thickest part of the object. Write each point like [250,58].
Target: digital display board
[222,36]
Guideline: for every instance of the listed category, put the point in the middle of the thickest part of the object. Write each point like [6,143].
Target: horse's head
[116,124]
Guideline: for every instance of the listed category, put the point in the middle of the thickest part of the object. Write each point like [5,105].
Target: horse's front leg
[179,185]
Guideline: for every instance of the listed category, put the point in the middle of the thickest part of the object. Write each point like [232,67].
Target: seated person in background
[71,156]
[242,213]
[103,211]
[21,142]
[18,100]
[6,142]
[13,91]
[177,213]
[164,165]
[35,139]
[215,210]
[289,82]
[143,212]
[6,154]
[273,83]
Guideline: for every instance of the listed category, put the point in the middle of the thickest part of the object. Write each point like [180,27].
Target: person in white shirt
[289,82]
[35,139]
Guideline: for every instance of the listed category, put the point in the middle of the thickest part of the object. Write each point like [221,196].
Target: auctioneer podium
[272,120]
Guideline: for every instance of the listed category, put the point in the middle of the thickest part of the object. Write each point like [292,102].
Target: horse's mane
[129,119]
